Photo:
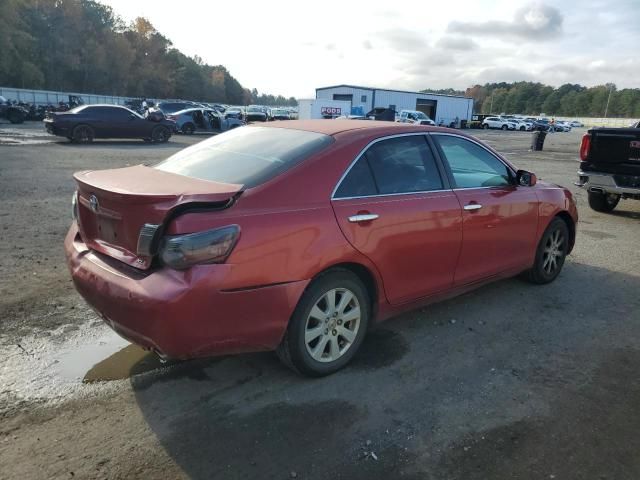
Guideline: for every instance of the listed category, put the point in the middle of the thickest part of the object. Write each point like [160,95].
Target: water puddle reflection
[107,358]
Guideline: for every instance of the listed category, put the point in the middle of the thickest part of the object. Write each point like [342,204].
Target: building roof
[389,90]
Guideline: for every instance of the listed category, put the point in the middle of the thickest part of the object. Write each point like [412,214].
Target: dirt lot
[510,381]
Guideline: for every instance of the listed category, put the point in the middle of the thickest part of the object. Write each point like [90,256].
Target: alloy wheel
[332,325]
[553,252]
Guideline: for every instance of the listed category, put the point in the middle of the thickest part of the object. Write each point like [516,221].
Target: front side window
[471,165]
[395,165]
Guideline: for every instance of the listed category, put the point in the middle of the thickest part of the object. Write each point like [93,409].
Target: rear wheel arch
[364,274]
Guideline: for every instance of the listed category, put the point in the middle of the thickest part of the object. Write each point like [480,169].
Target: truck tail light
[585,146]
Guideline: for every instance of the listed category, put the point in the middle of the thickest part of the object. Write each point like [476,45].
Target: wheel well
[571,226]
[365,276]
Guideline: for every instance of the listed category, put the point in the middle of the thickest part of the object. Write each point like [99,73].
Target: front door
[394,207]
[500,219]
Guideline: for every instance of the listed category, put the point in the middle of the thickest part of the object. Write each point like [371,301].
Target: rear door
[500,218]
[394,206]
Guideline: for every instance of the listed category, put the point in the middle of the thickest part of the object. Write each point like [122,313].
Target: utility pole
[611,85]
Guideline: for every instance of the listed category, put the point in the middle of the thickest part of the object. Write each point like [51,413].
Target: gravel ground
[509,381]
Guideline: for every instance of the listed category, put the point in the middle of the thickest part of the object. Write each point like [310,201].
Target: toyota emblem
[93,203]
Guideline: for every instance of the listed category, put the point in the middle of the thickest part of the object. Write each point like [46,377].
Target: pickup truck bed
[610,166]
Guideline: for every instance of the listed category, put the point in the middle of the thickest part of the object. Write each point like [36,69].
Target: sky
[290,48]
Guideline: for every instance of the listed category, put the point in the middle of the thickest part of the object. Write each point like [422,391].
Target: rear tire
[505,127]
[328,325]
[551,253]
[83,134]
[485,126]
[603,202]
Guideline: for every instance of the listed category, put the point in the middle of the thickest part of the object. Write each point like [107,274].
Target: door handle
[365,217]
[472,206]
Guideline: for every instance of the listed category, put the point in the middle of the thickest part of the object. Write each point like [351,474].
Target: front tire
[485,126]
[328,325]
[188,129]
[551,253]
[505,127]
[603,202]
[160,134]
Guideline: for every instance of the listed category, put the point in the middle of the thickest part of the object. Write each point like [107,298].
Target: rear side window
[396,165]
[247,156]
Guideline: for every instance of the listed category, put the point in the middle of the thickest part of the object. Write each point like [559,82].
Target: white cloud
[293,49]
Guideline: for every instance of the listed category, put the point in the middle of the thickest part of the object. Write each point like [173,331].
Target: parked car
[13,113]
[415,117]
[561,126]
[576,124]
[522,125]
[254,113]
[278,114]
[610,166]
[234,112]
[203,119]
[294,239]
[168,108]
[497,122]
[83,124]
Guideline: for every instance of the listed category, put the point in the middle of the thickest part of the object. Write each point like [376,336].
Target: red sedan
[296,236]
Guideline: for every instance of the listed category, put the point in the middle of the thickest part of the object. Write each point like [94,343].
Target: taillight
[585,146]
[212,246]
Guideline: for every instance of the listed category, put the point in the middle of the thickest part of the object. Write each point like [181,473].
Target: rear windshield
[248,155]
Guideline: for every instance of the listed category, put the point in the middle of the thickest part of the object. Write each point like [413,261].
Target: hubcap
[553,252]
[332,325]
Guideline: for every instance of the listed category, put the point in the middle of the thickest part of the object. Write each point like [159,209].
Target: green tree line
[83,46]
[569,100]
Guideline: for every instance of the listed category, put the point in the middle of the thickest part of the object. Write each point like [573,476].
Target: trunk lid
[114,205]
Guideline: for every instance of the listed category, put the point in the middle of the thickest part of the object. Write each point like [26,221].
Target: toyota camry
[298,236]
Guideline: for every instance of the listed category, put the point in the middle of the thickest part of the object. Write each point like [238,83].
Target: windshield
[254,109]
[2,99]
[418,116]
[247,156]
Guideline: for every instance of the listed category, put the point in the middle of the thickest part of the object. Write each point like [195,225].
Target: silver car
[194,120]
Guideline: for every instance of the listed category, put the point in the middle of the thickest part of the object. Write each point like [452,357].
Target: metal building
[442,109]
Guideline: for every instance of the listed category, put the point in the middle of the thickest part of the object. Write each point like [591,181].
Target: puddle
[88,360]
[131,360]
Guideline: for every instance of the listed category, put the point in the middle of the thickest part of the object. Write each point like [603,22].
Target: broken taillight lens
[212,246]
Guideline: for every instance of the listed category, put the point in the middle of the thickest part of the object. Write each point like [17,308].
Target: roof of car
[333,127]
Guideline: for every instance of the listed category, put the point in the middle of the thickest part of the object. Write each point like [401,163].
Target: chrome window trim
[362,152]
[476,142]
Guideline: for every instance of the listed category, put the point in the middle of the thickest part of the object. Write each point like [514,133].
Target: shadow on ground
[510,381]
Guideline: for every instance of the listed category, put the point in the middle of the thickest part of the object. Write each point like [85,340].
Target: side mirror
[526,179]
